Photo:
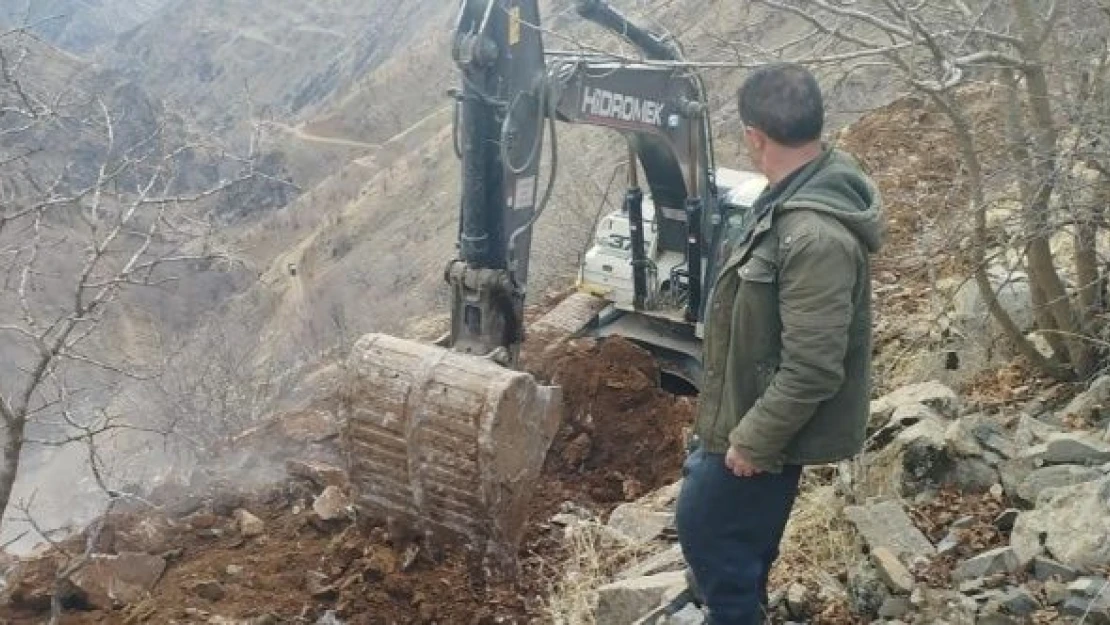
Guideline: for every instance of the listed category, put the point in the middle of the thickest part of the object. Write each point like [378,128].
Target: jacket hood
[836,185]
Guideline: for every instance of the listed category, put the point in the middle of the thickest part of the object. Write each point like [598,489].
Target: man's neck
[783,161]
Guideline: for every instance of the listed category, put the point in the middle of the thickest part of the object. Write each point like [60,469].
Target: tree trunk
[1043,164]
[1047,324]
[1019,156]
[9,464]
[978,208]
[1086,266]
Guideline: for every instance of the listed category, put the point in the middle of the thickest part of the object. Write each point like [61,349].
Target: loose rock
[639,523]
[1092,611]
[317,585]
[1056,592]
[208,589]
[665,561]
[895,607]
[115,580]
[625,601]
[886,524]
[921,459]
[249,525]
[1091,404]
[233,570]
[1019,602]
[946,606]
[1073,522]
[332,504]
[1031,431]
[933,394]
[1054,477]
[1045,569]
[961,439]
[1088,586]
[319,473]
[688,615]
[1012,474]
[866,591]
[1001,560]
[1070,448]
[891,570]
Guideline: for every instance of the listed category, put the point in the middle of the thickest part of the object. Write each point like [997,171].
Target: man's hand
[738,464]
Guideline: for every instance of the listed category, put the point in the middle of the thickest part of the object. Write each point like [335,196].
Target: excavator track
[451,445]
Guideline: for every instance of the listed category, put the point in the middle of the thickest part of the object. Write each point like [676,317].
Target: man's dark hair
[784,101]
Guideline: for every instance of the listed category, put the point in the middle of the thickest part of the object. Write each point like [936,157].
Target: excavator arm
[501,106]
[510,90]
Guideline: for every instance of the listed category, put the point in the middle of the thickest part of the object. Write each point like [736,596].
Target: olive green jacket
[787,347]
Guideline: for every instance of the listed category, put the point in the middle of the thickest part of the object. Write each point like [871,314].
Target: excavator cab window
[619,242]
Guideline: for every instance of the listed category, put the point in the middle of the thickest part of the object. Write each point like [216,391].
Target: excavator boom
[450,438]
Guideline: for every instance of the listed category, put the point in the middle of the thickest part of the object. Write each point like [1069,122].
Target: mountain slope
[78,25]
[224,60]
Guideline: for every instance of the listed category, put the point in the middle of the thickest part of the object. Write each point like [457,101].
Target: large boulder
[1072,523]
[1058,476]
[108,581]
[1011,288]
[926,456]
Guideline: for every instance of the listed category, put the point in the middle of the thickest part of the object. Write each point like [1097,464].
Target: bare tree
[1024,87]
[93,209]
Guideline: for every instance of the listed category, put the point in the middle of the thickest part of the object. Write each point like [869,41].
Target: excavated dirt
[622,437]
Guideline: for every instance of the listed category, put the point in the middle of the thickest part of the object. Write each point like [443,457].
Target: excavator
[449,437]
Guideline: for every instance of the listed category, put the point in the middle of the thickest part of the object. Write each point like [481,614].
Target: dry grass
[818,544]
[594,554]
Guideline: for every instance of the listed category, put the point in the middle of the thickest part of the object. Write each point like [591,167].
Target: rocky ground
[953,515]
[959,512]
[274,539]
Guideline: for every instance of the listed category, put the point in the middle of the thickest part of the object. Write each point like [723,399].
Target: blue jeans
[730,528]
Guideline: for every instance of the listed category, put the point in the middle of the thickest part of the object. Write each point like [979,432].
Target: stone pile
[963,517]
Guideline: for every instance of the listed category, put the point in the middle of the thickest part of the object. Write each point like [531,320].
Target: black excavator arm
[510,90]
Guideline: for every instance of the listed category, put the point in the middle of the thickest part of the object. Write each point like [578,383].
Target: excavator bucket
[451,445]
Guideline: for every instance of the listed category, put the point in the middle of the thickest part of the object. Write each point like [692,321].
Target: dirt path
[299,133]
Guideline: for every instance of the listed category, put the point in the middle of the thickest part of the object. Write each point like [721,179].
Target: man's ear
[757,139]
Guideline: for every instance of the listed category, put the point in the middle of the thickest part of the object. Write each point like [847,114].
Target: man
[787,350]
